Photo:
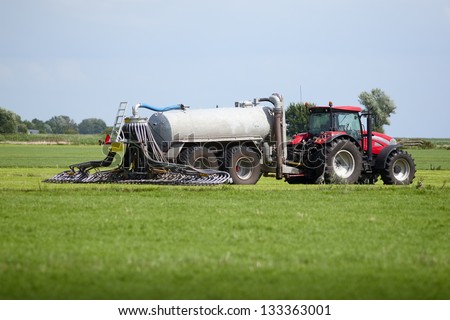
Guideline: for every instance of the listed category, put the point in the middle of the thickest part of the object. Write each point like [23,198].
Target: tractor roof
[340,108]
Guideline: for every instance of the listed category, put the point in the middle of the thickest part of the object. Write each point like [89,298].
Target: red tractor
[337,149]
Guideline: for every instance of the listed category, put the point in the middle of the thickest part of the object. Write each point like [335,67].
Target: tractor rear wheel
[343,162]
[243,165]
[199,157]
[399,168]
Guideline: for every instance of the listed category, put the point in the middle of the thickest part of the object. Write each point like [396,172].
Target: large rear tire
[343,162]
[200,158]
[243,165]
[399,168]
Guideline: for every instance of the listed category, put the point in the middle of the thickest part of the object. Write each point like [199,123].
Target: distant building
[32,131]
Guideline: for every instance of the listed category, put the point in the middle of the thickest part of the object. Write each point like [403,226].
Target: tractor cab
[325,122]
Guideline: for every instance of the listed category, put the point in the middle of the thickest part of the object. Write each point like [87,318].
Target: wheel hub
[401,169]
[244,168]
[343,164]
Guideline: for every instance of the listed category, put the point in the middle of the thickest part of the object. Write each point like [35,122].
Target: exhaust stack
[277,101]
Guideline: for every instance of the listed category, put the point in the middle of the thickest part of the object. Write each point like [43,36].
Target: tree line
[11,122]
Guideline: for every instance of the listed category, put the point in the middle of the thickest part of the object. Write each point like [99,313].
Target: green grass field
[267,241]
[62,139]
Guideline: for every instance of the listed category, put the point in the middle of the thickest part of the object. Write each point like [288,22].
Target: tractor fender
[344,136]
[380,161]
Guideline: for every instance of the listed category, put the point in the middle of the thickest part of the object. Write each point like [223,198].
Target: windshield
[319,122]
[348,122]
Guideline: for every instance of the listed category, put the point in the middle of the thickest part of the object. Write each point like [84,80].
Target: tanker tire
[199,158]
[343,164]
[399,168]
[243,165]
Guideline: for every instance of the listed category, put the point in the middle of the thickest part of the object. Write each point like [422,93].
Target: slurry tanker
[182,145]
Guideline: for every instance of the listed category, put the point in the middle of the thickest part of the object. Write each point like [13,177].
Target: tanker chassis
[239,140]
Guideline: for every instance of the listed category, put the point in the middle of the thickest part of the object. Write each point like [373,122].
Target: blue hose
[174,107]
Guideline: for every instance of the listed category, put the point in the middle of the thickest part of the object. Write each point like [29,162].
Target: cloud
[38,72]
[70,71]
[447,12]
[42,72]
[5,73]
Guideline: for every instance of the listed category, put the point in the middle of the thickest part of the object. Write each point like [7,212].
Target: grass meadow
[267,241]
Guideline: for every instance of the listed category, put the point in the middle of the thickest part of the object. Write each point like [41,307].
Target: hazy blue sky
[81,58]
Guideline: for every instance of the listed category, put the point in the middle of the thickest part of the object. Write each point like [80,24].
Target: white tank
[218,124]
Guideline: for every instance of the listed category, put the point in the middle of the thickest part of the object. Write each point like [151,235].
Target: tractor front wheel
[399,168]
[343,162]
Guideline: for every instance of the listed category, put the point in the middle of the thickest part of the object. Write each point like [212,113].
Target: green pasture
[58,139]
[268,241]
[49,156]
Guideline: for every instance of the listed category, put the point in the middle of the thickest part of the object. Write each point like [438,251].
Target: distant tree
[297,117]
[39,125]
[22,128]
[380,105]
[47,128]
[62,124]
[91,126]
[9,121]
[28,124]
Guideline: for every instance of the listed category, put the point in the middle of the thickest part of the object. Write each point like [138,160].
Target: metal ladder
[118,123]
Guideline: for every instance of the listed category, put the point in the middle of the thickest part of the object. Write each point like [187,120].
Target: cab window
[348,122]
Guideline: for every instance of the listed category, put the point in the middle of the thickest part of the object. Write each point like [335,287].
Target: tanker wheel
[343,162]
[399,169]
[243,165]
[200,158]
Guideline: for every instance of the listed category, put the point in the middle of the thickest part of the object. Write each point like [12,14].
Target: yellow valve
[117,147]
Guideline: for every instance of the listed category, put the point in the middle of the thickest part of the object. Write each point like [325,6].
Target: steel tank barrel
[218,124]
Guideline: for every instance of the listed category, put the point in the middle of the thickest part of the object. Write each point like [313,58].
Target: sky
[82,58]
